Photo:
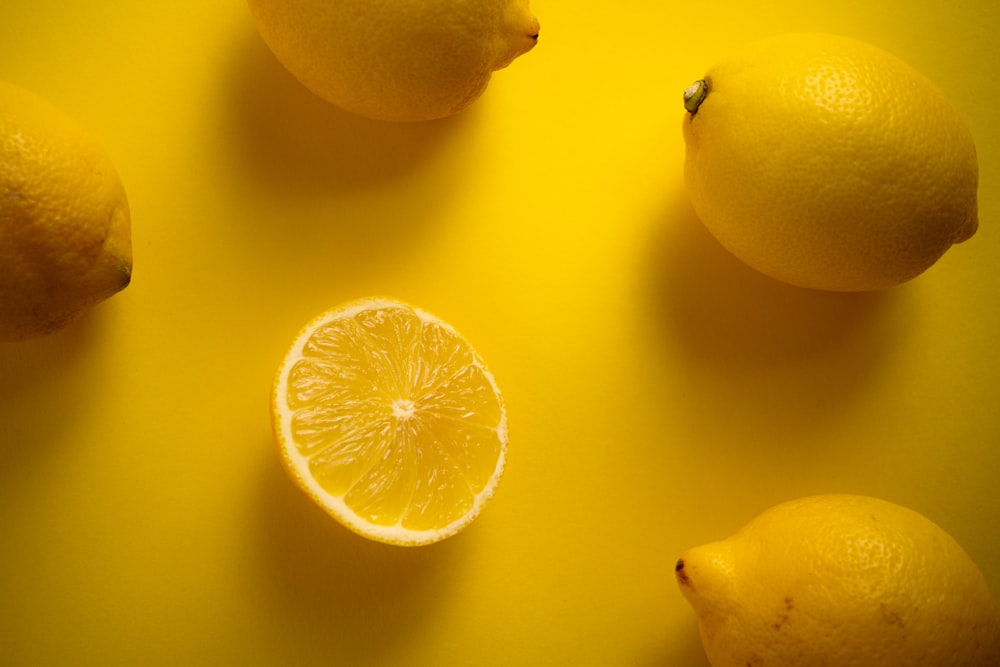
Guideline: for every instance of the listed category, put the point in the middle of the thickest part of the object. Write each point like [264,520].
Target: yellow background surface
[660,394]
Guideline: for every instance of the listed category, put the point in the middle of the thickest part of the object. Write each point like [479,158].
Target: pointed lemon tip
[681,574]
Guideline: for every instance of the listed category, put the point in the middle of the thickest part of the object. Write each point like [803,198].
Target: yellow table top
[660,394]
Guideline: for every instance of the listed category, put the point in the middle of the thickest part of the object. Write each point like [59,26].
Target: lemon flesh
[827,163]
[64,219]
[840,580]
[388,419]
[396,60]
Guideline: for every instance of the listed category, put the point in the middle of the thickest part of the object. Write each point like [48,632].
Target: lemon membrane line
[405,384]
[343,372]
[425,320]
[368,343]
[476,363]
[413,488]
[480,496]
[350,311]
[358,332]
[441,446]
[500,428]
[371,344]
[372,461]
[296,462]
[338,506]
[388,531]
[444,451]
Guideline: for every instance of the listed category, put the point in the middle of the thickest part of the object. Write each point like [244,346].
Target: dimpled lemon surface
[64,219]
[839,580]
[397,60]
[828,163]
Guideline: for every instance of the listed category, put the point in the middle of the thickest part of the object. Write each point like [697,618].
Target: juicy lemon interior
[394,414]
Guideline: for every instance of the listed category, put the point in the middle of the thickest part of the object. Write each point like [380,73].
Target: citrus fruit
[65,235]
[396,60]
[390,421]
[828,163]
[836,580]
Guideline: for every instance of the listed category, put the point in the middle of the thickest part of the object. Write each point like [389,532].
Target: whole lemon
[65,229]
[828,163]
[396,60]
[835,580]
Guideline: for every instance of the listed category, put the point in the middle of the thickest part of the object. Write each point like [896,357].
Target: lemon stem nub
[680,573]
[695,95]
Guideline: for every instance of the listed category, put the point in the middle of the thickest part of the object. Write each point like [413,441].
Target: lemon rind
[295,463]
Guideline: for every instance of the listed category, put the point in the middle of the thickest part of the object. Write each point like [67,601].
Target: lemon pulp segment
[391,421]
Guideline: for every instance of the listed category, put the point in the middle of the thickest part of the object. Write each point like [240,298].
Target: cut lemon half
[390,421]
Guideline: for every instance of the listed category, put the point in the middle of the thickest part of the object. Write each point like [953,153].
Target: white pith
[298,465]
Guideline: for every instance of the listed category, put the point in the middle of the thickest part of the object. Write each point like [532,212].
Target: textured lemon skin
[834,580]
[828,163]
[65,229]
[396,60]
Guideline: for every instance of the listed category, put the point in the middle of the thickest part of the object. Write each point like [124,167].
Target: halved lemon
[390,421]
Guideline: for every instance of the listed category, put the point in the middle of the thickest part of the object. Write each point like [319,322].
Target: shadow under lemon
[354,599]
[682,647]
[44,382]
[327,200]
[295,141]
[771,352]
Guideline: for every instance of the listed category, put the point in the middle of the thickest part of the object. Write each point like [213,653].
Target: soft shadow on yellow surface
[684,648]
[352,599]
[729,314]
[756,346]
[329,201]
[296,141]
[48,371]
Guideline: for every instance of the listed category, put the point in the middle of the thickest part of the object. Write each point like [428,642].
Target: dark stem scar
[682,577]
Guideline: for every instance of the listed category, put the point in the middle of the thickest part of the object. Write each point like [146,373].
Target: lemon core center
[403,408]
